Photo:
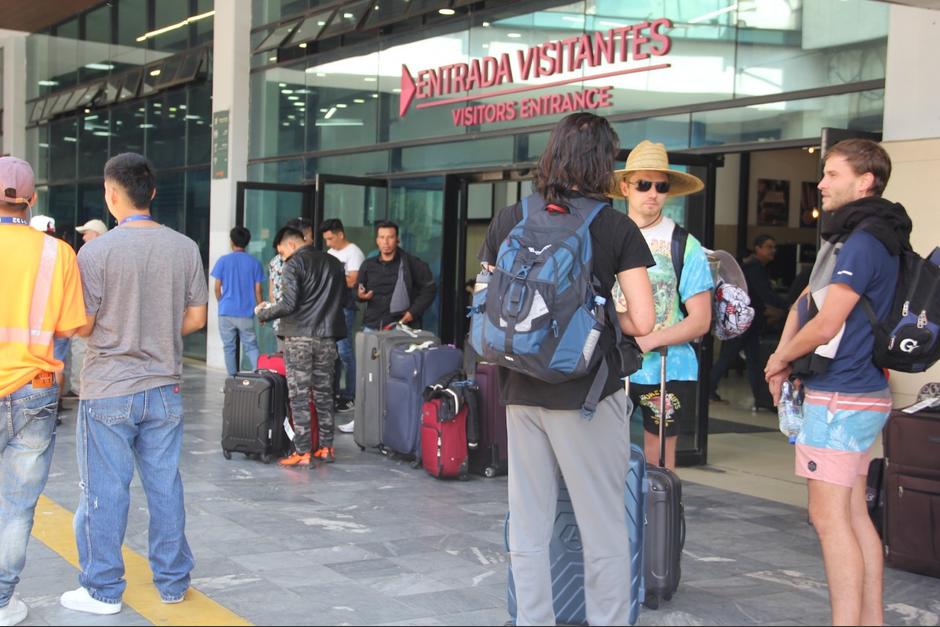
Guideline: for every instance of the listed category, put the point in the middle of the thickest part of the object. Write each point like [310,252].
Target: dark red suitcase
[490,458]
[912,492]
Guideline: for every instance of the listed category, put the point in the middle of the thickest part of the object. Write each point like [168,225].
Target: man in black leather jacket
[311,313]
[397,287]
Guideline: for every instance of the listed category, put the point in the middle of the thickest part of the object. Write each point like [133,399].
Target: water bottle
[790,411]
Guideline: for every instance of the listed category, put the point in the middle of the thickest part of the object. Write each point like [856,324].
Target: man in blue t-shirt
[238,280]
[847,399]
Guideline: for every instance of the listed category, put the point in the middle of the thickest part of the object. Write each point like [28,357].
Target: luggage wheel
[266,458]
[489,472]
[651,601]
[226,454]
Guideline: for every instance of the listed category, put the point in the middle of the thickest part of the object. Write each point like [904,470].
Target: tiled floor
[369,540]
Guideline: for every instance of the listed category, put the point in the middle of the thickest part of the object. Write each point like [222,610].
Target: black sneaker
[345,405]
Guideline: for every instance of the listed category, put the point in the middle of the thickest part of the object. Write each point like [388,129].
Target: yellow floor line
[53,527]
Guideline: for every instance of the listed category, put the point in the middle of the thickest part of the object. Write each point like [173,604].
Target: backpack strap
[680,238]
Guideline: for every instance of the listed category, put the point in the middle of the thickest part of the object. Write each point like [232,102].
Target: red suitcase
[275,363]
[444,440]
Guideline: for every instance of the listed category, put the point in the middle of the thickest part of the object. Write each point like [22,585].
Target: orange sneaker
[296,459]
[326,454]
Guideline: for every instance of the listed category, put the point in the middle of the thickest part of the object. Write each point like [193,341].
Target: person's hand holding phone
[363,294]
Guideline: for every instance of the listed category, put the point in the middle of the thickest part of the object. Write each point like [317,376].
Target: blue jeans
[113,434]
[347,358]
[231,327]
[27,438]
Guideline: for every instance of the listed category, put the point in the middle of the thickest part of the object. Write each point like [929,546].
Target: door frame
[242,186]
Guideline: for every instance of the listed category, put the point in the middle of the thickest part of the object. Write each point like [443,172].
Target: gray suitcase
[372,352]
[665,518]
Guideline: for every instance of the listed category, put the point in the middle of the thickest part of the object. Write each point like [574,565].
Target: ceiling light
[293,97]
[274,58]
[375,95]
[282,84]
[297,104]
[48,83]
[87,110]
[287,92]
[166,29]
[172,109]
[341,106]
[446,11]
[99,66]
[486,24]
[369,79]
[183,107]
[348,16]
[358,100]
[397,90]
[514,35]
[285,123]
[330,113]
[323,110]
[321,74]
[303,45]
[155,72]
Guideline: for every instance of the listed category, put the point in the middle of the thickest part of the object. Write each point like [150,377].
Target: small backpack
[732,313]
[908,340]
[539,312]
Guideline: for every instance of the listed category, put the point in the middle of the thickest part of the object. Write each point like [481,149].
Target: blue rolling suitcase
[411,368]
[567,562]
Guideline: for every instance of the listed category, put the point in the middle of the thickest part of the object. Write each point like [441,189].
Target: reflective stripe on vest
[37,308]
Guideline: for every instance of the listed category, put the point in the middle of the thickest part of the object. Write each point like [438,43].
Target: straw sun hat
[647,156]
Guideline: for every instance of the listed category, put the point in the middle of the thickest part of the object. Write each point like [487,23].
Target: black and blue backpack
[540,311]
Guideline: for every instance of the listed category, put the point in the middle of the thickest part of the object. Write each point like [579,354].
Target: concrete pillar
[14,93]
[912,138]
[230,78]
[911,89]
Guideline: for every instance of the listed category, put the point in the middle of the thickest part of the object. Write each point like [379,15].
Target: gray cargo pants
[309,365]
[594,457]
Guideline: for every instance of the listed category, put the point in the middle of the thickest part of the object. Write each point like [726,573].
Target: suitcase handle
[663,351]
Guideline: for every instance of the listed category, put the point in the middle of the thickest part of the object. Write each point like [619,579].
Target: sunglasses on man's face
[642,185]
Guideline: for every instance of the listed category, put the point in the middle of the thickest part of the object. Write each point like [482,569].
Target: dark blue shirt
[866,266]
[238,272]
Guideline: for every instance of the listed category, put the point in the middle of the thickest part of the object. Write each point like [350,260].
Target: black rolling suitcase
[665,518]
[253,415]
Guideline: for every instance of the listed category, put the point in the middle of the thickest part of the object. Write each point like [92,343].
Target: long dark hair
[579,155]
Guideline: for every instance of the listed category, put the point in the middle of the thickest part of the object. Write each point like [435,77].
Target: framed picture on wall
[773,202]
[809,205]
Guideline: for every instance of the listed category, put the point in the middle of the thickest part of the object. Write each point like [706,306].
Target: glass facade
[693,75]
[125,76]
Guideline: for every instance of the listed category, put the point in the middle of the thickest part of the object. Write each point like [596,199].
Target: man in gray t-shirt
[145,288]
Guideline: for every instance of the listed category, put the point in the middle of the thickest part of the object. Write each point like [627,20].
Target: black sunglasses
[642,185]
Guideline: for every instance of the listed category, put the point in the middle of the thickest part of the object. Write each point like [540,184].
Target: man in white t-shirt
[334,236]
[681,291]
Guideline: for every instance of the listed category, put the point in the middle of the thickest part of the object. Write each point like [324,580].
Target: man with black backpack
[682,283]
[540,255]
[847,399]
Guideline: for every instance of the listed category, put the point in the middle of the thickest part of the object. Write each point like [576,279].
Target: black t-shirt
[617,245]
[379,277]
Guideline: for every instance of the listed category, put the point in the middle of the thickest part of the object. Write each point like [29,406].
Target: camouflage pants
[309,362]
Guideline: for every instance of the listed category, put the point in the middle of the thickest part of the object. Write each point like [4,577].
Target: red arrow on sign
[407,91]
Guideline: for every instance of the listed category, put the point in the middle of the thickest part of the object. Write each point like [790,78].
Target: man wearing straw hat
[683,303]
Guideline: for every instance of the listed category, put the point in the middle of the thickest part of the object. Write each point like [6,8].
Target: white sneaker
[80,601]
[347,427]
[13,612]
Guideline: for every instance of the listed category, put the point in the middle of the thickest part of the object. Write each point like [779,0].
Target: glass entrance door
[263,208]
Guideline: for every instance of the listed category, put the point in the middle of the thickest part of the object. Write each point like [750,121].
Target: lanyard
[7,220]
[137,218]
